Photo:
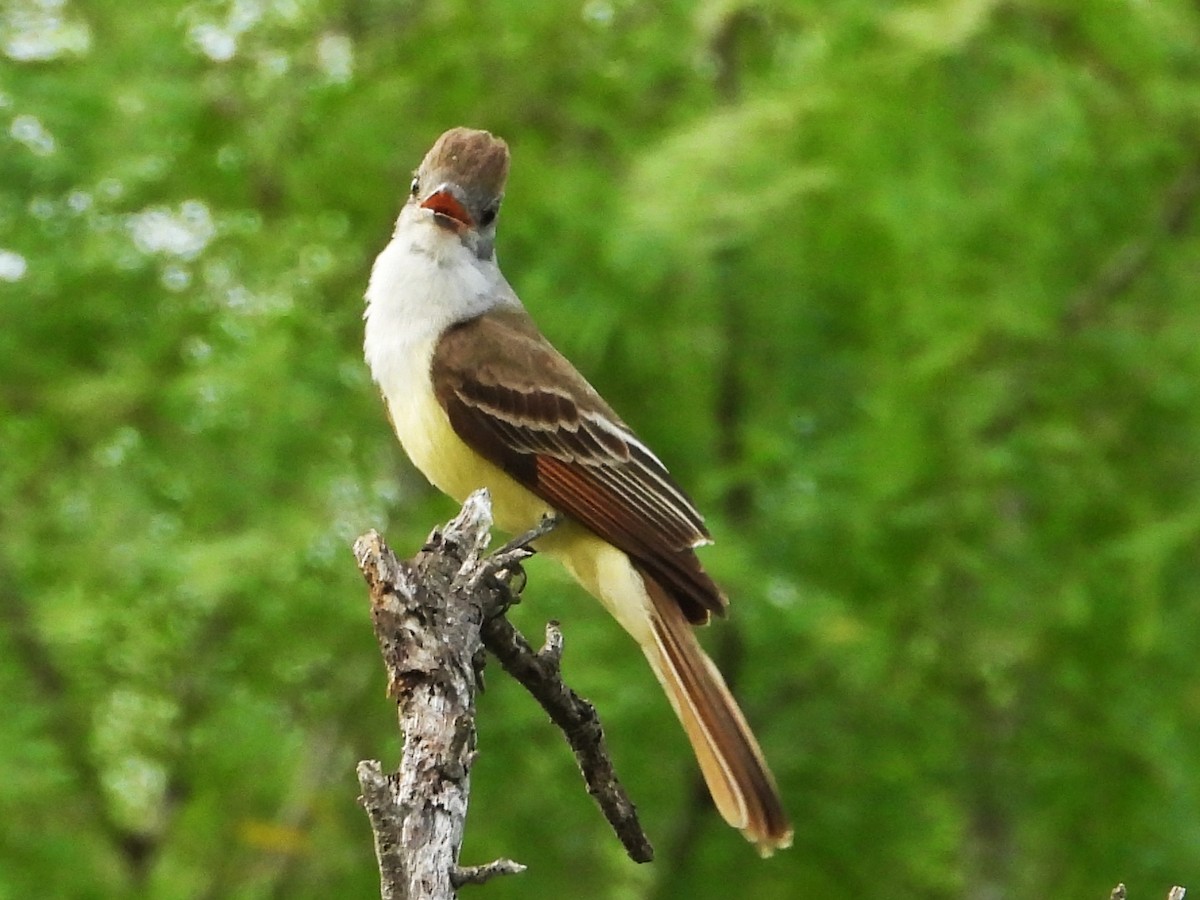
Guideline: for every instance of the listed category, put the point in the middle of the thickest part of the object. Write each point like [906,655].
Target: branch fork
[433,615]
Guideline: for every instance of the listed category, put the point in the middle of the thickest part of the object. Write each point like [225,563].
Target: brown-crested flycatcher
[479,398]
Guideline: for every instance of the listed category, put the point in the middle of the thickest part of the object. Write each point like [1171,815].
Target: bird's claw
[509,580]
[504,570]
[523,543]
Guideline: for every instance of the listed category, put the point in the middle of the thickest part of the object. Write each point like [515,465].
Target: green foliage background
[907,294]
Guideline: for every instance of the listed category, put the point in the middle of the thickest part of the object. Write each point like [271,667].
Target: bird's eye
[489,215]
[415,187]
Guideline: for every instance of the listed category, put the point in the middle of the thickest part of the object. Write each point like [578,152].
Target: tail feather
[733,766]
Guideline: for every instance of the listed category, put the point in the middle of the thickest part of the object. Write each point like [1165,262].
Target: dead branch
[432,615]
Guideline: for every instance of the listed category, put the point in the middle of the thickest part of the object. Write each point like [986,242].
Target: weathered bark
[427,624]
[432,616]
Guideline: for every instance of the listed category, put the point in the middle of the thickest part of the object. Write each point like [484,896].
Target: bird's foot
[504,570]
[522,544]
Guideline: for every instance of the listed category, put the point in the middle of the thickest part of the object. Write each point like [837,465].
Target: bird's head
[460,184]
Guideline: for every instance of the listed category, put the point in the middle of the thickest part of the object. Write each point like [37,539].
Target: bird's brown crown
[476,160]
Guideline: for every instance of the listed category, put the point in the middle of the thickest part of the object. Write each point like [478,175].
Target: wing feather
[567,446]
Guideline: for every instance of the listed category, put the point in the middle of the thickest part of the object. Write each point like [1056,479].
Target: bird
[478,397]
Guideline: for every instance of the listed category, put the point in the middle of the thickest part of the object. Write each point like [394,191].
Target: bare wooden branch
[427,615]
[380,798]
[432,615]
[485,873]
[539,673]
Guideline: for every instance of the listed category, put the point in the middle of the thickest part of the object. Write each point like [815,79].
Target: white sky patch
[175,278]
[245,14]
[124,442]
[29,131]
[598,12]
[134,782]
[274,63]
[183,234]
[335,57]
[79,201]
[219,40]
[216,42]
[12,265]
[42,30]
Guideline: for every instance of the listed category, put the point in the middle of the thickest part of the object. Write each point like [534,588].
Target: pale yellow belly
[457,470]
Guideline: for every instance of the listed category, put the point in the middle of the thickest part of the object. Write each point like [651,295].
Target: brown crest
[473,159]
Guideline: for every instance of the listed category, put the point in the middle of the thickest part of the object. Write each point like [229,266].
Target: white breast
[423,282]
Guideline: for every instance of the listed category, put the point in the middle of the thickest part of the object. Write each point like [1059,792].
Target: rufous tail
[737,776]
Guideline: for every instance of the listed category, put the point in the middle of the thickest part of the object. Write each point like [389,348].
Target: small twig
[386,817]
[552,648]
[485,873]
[538,673]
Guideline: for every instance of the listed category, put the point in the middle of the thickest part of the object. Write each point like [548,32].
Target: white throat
[423,282]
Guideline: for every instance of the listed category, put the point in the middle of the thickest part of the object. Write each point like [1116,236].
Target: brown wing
[520,404]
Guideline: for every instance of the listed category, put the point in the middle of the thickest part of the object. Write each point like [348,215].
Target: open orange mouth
[444,203]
